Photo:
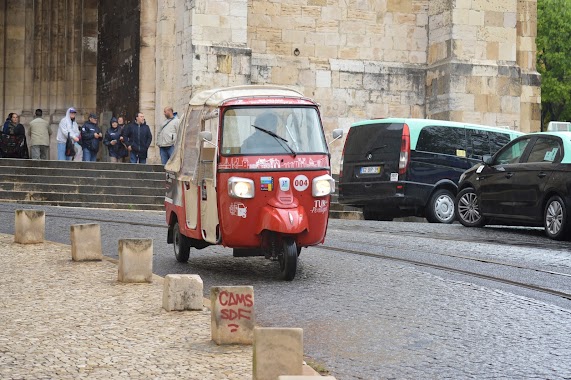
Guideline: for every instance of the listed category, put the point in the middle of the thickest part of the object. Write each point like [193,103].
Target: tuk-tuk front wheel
[288,259]
[181,245]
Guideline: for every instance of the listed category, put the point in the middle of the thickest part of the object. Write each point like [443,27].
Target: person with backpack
[113,142]
[91,135]
[166,137]
[68,127]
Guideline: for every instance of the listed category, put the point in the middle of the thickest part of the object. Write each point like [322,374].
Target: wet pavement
[365,318]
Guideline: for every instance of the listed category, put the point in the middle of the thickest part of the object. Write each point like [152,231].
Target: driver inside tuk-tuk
[262,140]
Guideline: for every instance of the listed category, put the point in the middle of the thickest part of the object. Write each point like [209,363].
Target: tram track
[461,271]
[445,268]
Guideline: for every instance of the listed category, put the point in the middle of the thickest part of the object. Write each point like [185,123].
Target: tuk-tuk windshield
[272,130]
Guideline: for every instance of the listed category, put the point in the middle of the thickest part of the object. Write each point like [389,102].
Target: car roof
[417,124]
[217,96]
[565,137]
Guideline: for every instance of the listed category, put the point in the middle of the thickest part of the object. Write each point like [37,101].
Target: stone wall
[49,58]
[474,73]
[461,60]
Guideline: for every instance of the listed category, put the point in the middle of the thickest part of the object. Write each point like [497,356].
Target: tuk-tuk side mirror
[205,135]
[337,134]
[487,159]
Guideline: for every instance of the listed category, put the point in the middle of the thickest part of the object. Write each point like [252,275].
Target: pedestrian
[68,126]
[137,136]
[13,141]
[121,125]
[91,135]
[113,142]
[40,137]
[166,137]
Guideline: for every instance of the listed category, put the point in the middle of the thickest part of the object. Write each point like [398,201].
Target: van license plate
[370,170]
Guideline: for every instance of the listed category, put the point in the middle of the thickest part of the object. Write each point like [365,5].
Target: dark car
[526,183]
[410,167]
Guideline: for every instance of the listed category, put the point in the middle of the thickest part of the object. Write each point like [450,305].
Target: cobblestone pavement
[61,319]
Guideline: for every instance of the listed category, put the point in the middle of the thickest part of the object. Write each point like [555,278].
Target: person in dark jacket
[113,142]
[91,135]
[137,136]
[13,140]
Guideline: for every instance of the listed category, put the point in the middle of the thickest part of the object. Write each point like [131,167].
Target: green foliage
[554,58]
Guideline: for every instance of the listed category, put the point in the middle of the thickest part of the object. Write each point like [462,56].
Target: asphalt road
[372,318]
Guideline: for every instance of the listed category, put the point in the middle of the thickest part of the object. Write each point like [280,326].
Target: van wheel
[555,219]
[288,260]
[467,209]
[440,208]
[181,245]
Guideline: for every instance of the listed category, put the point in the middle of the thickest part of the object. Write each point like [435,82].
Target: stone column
[15,33]
[530,114]
[147,70]
[28,22]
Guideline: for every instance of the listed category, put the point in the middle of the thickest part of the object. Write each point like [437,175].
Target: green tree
[554,58]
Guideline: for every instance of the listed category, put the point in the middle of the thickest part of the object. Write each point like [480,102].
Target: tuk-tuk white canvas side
[186,153]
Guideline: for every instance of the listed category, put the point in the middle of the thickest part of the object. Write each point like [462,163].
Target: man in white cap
[67,125]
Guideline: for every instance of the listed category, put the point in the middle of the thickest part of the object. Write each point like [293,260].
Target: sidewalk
[61,319]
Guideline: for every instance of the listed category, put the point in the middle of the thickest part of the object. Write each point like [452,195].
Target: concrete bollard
[135,260]
[29,226]
[182,292]
[232,316]
[277,352]
[86,242]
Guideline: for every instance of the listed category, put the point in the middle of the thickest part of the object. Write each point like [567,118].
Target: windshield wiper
[278,138]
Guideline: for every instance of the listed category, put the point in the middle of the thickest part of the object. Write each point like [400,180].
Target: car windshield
[272,130]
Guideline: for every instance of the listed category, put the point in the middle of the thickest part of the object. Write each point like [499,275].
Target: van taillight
[343,154]
[404,150]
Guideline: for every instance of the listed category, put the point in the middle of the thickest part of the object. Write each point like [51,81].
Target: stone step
[73,189]
[80,172]
[86,181]
[339,207]
[349,215]
[115,206]
[81,198]
[52,164]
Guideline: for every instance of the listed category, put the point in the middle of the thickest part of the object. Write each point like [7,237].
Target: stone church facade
[461,60]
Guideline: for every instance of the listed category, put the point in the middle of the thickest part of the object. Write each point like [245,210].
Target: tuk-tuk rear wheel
[181,245]
[288,260]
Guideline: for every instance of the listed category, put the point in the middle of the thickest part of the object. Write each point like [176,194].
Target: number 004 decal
[300,183]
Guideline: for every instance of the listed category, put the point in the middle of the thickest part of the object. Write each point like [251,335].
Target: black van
[410,167]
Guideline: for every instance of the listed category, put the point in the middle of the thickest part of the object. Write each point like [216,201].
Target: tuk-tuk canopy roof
[218,96]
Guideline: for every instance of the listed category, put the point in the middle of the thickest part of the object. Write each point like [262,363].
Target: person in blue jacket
[91,135]
[113,142]
[137,137]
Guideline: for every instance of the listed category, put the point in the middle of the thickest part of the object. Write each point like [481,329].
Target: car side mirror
[337,134]
[487,159]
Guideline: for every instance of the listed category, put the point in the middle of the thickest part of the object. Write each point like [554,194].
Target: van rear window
[374,138]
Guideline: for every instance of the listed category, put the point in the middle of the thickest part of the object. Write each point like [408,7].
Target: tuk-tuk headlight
[240,187]
[322,186]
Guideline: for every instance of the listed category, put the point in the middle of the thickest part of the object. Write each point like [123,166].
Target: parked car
[410,167]
[526,183]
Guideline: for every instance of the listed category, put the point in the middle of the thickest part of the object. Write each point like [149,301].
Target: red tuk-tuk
[250,171]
